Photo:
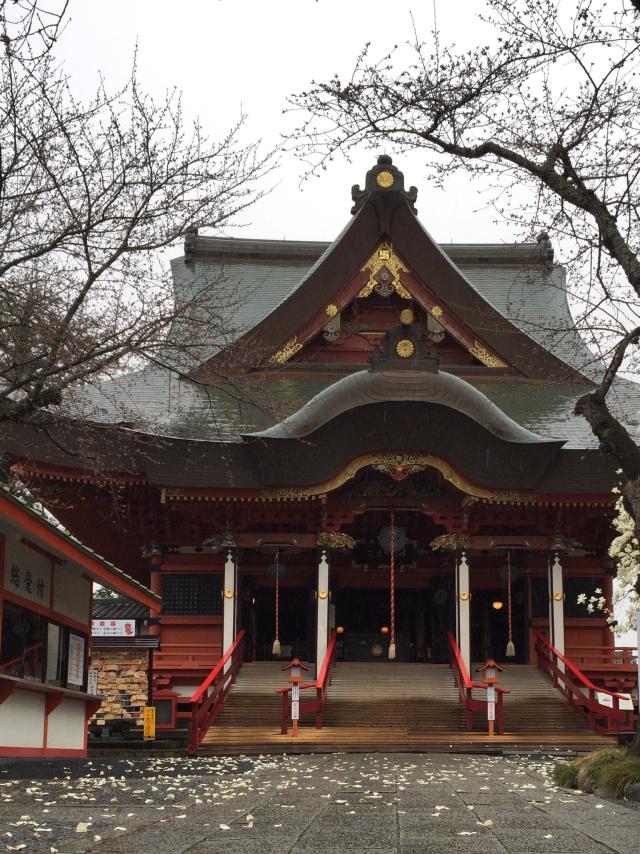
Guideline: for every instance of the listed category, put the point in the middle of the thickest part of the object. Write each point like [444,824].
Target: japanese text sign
[113,628]
[27,573]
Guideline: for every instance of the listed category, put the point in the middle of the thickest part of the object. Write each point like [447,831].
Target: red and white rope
[277,615]
[392,579]
[509,595]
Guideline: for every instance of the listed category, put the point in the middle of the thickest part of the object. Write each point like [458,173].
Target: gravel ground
[379,803]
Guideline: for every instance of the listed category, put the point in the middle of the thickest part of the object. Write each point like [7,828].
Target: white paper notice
[605,699]
[75,669]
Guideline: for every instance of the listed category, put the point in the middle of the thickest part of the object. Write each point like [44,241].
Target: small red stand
[490,678]
[295,669]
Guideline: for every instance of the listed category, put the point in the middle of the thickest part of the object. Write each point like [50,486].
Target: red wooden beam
[50,537]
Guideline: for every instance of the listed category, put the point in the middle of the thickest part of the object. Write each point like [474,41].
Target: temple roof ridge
[209,247]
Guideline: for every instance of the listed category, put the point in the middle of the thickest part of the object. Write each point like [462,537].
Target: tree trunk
[615,441]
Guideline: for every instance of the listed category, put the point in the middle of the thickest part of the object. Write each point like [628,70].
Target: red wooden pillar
[155,583]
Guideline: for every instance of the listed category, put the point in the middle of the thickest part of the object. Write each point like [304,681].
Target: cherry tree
[90,193]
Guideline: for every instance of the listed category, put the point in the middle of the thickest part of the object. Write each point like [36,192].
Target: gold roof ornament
[405,348]
[285,353]
[383,177]
[336,541]
[487,358]
[450,542]
[385,180]
[384,257]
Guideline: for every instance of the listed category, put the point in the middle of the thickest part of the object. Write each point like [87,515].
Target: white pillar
[322,621]
[229,600]
[556,604]
[463,609]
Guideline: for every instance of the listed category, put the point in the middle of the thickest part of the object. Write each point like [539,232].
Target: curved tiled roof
[366,387]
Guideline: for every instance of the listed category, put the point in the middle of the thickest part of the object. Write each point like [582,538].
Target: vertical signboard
[149,723]
[491,703]
[92,681]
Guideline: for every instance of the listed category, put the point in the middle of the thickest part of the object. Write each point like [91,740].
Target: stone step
[396,706]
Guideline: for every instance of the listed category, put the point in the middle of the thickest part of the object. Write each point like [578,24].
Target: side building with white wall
[45,632]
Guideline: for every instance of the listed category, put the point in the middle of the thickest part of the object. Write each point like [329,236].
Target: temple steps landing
[396,707]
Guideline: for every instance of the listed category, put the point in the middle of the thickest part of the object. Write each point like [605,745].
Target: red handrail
[321,685]
[573,683]
[23,655]
[465,686]
[208,699]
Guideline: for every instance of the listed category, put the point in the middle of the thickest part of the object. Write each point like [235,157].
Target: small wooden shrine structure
[46,581]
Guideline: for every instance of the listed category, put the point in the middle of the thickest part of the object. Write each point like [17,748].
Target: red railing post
[320,702]
[209,697]
[284,722]
[468,703]
[500,712]
[321,685]
[465,688]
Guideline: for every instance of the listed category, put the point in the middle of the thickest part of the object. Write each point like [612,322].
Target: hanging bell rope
[276,643]
[511,650]
[392,584]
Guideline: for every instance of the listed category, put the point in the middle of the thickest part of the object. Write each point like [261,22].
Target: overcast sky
[228,56]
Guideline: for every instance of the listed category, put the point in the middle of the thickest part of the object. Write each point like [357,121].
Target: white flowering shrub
[625,550]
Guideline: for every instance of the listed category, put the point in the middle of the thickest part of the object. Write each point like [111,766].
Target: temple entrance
[297,622]
[490,624]
[422,618]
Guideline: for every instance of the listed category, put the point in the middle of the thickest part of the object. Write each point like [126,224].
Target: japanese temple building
[409,464]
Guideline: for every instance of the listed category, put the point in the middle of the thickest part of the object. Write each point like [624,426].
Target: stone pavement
[311,804]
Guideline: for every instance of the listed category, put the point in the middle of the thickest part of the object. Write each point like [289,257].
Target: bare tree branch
[89,192]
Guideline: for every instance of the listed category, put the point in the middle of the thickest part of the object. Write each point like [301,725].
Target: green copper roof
[242,281]
[160,401]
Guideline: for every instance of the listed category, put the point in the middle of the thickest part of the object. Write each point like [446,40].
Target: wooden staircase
[396,707]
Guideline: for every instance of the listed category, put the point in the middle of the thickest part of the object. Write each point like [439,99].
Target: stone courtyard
[378,803]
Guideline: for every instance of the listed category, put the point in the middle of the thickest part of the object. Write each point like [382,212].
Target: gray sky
[229,56]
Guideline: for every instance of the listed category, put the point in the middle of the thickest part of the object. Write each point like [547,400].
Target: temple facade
[392,453]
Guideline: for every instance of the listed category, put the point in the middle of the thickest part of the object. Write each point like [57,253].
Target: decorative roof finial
[404,348]
[383,178]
